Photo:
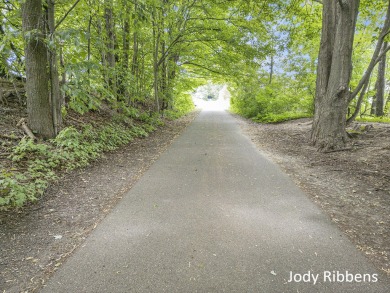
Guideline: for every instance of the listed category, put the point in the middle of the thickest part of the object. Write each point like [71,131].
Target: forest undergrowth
[27,166]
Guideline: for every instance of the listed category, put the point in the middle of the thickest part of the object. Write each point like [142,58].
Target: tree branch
[208,18]
[377,53]
[384,52]
[358,104]
[23,125]
[66,14]
[203,67]
[168,50]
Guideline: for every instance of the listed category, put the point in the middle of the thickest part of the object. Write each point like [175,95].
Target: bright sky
[221,104]
[218,105]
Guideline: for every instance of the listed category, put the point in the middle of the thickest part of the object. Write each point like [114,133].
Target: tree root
[23,125]
[337,150]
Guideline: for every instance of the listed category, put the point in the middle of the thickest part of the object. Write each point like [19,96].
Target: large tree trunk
[380,85]
[38,77]
[334,74]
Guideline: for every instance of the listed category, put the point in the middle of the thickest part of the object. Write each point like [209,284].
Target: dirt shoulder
[36,240]
[352,187]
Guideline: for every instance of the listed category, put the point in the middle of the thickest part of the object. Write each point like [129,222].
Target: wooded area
[143,58]
[80,54]
[85,83]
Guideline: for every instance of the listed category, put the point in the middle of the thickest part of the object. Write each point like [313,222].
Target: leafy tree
[333,93]
[142,55]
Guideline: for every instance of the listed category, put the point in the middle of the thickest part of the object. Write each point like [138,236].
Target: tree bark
[380,85]
[126,35]
[135,68]
[89,41]
[55,93]
[123,80]
[156,45]
[271,71]
[334,74]
[110,44]
[359,103]
[136,75]
[40,118]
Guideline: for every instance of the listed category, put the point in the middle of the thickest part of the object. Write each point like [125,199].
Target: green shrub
[37,164]
[260,100]
[374,119]
[277,118]
[182,105]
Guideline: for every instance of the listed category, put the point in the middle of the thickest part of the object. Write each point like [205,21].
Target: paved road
[215,215]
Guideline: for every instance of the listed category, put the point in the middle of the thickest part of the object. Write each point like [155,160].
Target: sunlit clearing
[212,97]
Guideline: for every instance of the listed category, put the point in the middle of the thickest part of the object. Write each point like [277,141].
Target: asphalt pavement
[214,214]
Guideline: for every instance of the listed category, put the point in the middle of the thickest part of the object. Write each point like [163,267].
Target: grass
[374,119]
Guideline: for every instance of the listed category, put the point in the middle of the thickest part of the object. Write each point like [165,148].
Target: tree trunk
[359,103]
[89,41]
[123,80]
[37,74]
[142,70]
[125,36]
[377,53]
[373,106]
[380,85]
[55,93]
[271,72]
[156,73]
[136,75]
[156,43]
[334,74]
[110,44]
[163,79]
[172,60]
[135,68]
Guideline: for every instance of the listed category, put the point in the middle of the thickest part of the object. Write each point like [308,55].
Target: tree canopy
[146,55]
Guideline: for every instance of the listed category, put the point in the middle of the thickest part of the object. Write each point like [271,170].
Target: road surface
[213,214]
